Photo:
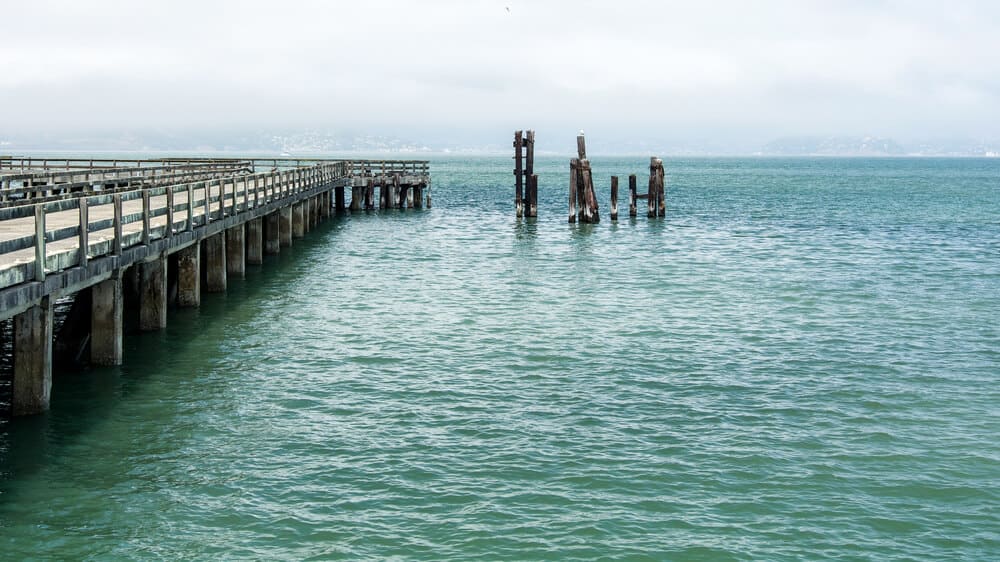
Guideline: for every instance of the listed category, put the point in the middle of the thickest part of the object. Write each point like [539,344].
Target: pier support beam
[189,277]
[32,359]
[418,196]
[215,263]
[236,252]
[357,196]
[285,226]
[255,241]
[107,305]
[153,294]
[272,234]
[298,220]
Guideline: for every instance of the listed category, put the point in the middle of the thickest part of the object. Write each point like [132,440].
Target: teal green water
[800,363]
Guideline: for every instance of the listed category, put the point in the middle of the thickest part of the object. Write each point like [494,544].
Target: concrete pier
[172,229]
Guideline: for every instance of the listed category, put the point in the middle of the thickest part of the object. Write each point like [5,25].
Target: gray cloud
[762,68]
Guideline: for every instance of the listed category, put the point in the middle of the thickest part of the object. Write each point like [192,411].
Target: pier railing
[42,186]
[28,163]
[39,238]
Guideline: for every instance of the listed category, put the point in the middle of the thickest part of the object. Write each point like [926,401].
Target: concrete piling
[272,234]
[285,226]
[214,263]
[255,241]
[189,276]
[32,384]
[153,294]
[106,329]
[236,252]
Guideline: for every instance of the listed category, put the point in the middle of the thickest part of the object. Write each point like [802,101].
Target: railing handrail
[191,201]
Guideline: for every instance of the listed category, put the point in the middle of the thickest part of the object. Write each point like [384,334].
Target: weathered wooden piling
[651,196]
[525,187]
[633,209]
[614,198]
[661,188]
[574,166]
[585,196]
[518,175]
[656,205]
[532,207]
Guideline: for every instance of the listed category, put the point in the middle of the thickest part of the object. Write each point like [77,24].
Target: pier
[168,230]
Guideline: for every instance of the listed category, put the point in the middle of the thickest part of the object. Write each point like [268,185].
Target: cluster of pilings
[526,204]
[654,196]
[583,205]
[396,190]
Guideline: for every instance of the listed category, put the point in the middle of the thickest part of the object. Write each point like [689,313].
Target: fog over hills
[306,142]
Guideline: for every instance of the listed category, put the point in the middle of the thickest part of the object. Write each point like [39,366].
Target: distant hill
[833,146]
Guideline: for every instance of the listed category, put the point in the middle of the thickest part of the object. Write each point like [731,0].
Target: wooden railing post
[118,224]
[40,242]
[170,211]
[206,187]
[84,231]
[222,198]
[190,217]
[145,217]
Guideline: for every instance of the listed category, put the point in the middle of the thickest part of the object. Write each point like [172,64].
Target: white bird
[581,132]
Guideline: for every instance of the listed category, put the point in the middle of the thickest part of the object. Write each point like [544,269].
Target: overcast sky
[634,69]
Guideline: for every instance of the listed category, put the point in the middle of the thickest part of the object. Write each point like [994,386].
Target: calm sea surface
[802,362]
